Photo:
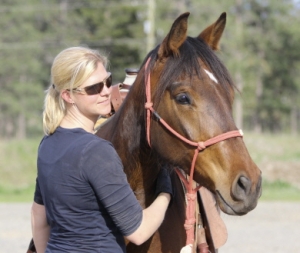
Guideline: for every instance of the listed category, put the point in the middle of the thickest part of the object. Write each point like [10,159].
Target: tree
[273,38]
[259,46]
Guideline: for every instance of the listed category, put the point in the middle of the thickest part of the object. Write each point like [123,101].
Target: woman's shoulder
[94,143]
[99,152]
[81,136]
[75,139]
[95,140]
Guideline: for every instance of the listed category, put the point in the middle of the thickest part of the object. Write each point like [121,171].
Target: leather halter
[191,192]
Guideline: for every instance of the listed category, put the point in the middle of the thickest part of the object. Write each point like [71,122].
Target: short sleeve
[37,194]
[104,171]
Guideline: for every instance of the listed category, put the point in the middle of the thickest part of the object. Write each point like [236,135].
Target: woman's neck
[73,120]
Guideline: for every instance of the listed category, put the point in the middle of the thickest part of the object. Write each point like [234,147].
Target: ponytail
[54,110]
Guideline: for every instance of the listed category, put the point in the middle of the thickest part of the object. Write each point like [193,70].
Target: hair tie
[53,86]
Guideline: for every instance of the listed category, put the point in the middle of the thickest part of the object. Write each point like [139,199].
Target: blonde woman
[83,202]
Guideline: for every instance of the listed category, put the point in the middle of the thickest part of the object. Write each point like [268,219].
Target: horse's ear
[175,38]
[213,33]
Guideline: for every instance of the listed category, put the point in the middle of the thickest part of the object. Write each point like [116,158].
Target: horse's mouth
[227,208]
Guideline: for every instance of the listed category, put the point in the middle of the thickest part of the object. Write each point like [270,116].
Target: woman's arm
[40,227]
[152,219]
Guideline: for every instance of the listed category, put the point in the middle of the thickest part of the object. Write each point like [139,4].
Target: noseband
[201,145]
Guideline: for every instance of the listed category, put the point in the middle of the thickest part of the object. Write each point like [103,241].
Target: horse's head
[193,92]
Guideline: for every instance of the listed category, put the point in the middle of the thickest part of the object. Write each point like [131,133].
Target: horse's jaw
[235,208]
[230,205]
[236,191]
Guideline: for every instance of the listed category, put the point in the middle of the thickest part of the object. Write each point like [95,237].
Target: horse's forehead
[203,70]
[208,72]
[195,71]
[204,77]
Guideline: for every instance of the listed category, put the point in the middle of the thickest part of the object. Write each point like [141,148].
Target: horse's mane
[187,62]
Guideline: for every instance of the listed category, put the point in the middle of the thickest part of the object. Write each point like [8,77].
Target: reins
[191,192]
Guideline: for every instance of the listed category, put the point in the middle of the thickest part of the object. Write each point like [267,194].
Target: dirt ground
[272,227]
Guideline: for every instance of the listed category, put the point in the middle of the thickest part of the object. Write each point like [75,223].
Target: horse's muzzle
[244,196]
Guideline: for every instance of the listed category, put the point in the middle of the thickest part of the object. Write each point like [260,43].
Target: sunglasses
[96,88]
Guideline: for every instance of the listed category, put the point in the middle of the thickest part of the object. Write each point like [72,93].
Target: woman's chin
[106,110]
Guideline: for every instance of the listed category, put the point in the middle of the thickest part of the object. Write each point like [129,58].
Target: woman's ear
[66,96]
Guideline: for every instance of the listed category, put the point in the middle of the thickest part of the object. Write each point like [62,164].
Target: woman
[83,202]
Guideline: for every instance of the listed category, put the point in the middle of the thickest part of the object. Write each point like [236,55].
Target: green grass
[18,165]
[17,169]
[280,152]
[17,195]
[273,147]
[278,190]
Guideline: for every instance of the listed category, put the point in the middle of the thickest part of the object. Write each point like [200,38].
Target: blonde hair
[70,69]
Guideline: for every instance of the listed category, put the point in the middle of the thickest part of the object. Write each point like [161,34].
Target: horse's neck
[126,131]
[123,134]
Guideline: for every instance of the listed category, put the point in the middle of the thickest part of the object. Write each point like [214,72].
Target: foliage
[260,47]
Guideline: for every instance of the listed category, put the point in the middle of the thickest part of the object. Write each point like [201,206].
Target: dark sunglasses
[96,88]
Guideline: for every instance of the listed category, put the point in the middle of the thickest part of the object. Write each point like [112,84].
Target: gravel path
[15,227]
[272,227]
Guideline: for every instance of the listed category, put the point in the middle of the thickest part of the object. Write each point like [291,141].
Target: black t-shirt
[89,203]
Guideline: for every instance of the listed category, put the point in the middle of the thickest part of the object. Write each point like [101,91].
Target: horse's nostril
[244,183]
[242,188]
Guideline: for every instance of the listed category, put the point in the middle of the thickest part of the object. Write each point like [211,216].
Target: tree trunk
[151,25]
[258,97]
[294,120]
[239,59]
[21,127]
[238,101]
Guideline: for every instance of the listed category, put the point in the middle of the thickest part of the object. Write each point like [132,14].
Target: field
[17,170]
[278,156]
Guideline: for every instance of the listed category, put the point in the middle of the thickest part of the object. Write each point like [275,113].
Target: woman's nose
[106,91]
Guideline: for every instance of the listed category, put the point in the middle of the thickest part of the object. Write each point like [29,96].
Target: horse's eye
[183,99]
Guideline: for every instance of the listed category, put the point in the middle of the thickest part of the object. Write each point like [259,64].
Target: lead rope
[201,244]
[191,194]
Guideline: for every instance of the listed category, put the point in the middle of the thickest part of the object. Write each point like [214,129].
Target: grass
[279,191]
[273,147]
[17,195]
[18,166]
[281,153]
[17,170]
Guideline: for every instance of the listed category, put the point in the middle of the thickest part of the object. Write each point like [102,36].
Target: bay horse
[192,91]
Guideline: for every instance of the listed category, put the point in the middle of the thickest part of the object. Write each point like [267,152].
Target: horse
[182,85]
